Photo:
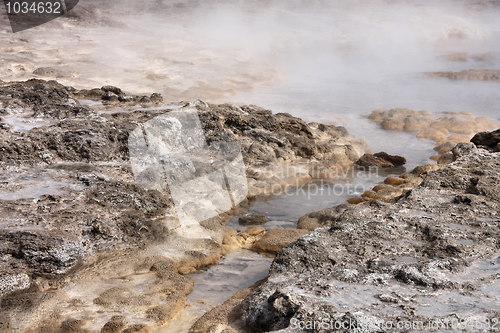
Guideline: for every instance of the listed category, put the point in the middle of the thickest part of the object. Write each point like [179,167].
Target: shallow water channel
[241,269]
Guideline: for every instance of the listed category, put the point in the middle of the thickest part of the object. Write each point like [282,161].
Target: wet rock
[423,170]
[388,192]
[394,187]
[368,160]
[234,241]
[126,99]
[113,90]
[355,201]
[445,158]
[401,119]
[273,146]
[254,231]
[223,318]
[253,219]
[381,159]
[395,181]
[444,147]
[488,140]
[110,97]
[308,223]
[394,159]
[275,314]
[92,94]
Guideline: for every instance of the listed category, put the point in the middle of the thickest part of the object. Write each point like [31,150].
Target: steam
[316,59]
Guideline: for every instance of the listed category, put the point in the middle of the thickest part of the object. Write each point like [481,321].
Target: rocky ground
[85,249]
[82,246]
[427,261]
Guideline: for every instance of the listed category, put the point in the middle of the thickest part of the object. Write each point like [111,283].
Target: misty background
[329,61]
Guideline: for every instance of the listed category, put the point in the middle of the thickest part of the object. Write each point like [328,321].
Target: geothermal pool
[328,61]
[324,61]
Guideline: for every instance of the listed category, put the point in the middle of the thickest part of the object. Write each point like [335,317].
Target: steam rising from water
[321,60]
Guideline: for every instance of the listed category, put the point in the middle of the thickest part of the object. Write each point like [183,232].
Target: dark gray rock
[156,98]
[462,149]
[275,313]
[43,252]
[382,160]
[488,140]
[112,89]
[394,159]
[110,97]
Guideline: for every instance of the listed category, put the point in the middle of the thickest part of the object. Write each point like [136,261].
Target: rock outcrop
[382,160]
[68,193]
[488,140]
[378,265]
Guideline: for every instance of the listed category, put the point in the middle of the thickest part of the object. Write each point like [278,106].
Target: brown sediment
[234,240]
[308,223]
[464,57]
[276,239]
[446,131]
[470,75]
[394,187]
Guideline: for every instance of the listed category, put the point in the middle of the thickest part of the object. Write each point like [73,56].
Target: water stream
[237,271]
[241,269]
